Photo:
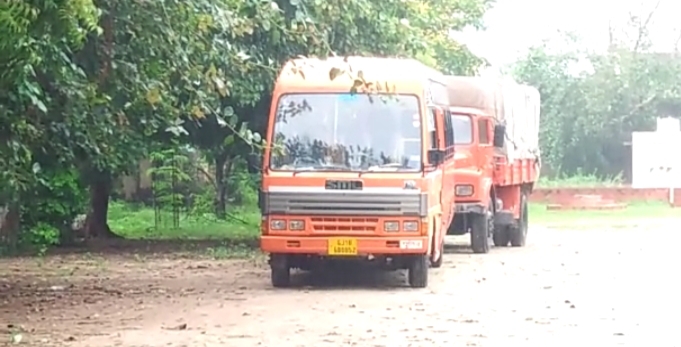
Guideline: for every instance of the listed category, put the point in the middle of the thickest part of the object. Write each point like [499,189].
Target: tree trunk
[96,225]
[220,187]
[254,163]
[9,225]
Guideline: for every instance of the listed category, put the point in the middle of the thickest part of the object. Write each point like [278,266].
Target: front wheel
[280,271]
[502,236]
[480,233]
[418,272]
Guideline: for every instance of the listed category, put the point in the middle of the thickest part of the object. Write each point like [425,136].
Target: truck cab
[352,174]
[475,152]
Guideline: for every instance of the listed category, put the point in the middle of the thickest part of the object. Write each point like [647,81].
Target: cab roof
[314,71]
[466,110]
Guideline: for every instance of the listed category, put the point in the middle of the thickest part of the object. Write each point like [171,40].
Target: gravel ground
[602,287]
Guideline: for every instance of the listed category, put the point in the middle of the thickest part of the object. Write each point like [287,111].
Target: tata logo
[344,185]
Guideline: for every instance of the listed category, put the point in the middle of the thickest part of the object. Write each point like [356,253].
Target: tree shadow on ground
[144,247]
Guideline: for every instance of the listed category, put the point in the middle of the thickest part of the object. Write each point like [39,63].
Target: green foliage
[202,204]
[40,237]
[243,186]
[58,198]
[36,38]
[580,180]
[32,31]
[88,88]
[137,222]
[168,174]
[588,115]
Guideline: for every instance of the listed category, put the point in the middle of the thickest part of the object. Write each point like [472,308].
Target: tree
[37,38]
[91,87]
[319,28]
[592,102]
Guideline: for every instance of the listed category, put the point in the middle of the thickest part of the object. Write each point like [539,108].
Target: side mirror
[499,135]
[435,156]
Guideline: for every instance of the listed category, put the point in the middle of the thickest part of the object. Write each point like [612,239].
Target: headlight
[391,226]
[463,190]
[296,225]
[277,224]
[411,226]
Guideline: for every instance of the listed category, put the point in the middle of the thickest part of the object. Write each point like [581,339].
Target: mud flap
[431,234]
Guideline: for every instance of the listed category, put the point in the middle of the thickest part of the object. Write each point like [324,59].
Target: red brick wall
[617,194]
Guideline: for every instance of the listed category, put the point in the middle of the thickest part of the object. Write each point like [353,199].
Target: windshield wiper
[332,168]
[390,165]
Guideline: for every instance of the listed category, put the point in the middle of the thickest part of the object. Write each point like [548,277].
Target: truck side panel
[519,171]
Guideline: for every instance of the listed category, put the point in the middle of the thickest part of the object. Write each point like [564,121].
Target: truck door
[448,170]
[445,168]
[485,148]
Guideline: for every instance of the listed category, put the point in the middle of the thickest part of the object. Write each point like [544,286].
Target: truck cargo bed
[515,172]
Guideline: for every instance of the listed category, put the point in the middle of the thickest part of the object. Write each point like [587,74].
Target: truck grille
[344,224]
[344,203]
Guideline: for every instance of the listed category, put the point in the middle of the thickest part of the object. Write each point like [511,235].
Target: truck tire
[280,271]
[502,237]
[438,262]
[519,233]
[418,272]
[480,232]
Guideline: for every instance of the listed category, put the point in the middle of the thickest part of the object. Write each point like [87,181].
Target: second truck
[496,128]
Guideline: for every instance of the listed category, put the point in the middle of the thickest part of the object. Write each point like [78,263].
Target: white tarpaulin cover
[510,103]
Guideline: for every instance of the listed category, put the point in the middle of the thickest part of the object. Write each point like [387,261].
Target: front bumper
[501,218]
[470,207]
[319,245]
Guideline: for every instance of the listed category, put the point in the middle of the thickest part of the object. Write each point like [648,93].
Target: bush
[242,186]
[57,199]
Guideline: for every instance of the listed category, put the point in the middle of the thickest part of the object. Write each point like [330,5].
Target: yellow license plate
[342,247]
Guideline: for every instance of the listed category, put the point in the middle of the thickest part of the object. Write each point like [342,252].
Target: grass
[135,222]
[580,181]
[138,223]
[633,213]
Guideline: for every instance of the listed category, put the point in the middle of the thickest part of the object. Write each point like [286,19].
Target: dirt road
[596,287]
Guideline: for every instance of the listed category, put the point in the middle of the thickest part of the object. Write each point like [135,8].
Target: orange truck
[496,132]
[365,174]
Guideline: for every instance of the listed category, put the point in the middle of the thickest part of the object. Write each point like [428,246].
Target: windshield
[344,132]
[463,129]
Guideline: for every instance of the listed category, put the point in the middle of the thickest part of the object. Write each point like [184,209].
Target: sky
[515,25]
